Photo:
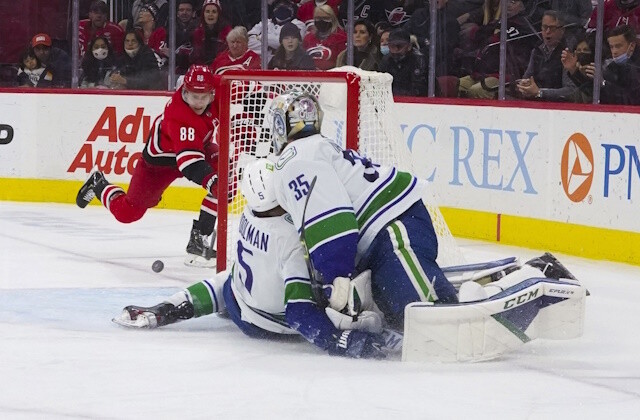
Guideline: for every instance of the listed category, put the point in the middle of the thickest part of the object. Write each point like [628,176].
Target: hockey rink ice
[65,272]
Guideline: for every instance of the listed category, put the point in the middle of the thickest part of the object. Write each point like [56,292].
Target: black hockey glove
[358,345]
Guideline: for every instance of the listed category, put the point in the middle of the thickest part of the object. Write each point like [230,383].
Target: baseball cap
[41,39]
[399,36]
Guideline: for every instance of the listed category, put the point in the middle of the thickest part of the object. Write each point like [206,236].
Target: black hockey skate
[551,267]
[201,253]
[92,188]
[155,316]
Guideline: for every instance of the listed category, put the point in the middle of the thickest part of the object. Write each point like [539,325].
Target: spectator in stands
[98,63]
[471,21]
[186,23]
[99,25]
[326,40]
[54,59]
[209,38]
[138,67]
[238,56]
[384,42]
[545,78]
[31,72]
[284,11]
[154,36]
[447,34]
[576,14]
[306,12]
[482,82]
[366,53]
[621,72]
[617,13]
[161,19]
[371,10]
[580,67]
[290,55]
[407,66]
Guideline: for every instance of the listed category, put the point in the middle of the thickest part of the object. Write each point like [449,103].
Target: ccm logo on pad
[577,167]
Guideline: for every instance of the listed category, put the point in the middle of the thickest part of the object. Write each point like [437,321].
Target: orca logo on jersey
[6,133]
[576,167]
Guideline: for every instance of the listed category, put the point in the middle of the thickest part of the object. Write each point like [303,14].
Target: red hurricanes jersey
[184,139]
[614,17]
[111,31]
[305,12]
[247,61]
[325,51]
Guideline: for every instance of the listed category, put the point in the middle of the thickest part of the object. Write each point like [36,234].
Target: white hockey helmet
[294,115]
[257,185]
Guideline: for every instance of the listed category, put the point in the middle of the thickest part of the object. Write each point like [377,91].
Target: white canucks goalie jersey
[268,254]
[352,200]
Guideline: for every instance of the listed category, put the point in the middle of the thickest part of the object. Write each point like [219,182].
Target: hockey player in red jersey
[182,142]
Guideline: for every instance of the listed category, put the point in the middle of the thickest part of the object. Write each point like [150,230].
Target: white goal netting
[358,114]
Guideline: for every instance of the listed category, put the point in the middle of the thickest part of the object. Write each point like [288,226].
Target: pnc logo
[576,167]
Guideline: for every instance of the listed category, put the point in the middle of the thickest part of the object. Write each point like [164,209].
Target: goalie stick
[314,275]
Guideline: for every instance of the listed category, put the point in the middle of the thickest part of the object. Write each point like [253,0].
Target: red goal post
[358,114]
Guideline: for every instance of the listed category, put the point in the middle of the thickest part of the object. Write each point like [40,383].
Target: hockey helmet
[258,185]
[199,79]
[294,115]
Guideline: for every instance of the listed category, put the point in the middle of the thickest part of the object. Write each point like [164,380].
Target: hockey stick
[314,275]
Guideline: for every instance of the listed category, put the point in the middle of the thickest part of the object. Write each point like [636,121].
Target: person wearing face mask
[580,67]
[138,67]
[366,54]
[307,10]
[407,66]
[326,40]
[283,12]
[98,25]
[621,73]
[97,63]
[384,42]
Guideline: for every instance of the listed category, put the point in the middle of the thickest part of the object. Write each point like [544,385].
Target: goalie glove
[358,345]
[352,296]
[368,321]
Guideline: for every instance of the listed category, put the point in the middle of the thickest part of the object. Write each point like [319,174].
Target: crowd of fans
[550,45]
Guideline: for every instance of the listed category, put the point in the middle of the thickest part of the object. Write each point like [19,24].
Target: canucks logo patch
[279,124]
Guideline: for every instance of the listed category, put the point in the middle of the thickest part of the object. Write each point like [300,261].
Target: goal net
[358,114]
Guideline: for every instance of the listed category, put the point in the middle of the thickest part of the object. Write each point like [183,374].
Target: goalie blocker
[502,316]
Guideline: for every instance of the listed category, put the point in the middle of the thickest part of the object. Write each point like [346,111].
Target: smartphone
[584,58]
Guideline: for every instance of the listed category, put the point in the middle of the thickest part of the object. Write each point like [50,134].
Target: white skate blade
[141,321]
[200,262]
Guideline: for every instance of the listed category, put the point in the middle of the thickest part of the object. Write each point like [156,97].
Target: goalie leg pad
[533,308]
[482,273]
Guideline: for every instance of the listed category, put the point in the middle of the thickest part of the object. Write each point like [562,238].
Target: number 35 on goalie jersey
[353,199]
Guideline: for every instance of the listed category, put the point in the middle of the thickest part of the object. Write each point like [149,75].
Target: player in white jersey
[359,216]
[268,288]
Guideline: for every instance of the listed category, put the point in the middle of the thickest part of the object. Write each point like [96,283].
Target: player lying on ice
[181,143]
[268,292]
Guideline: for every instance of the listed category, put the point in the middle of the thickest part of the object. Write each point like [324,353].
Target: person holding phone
[580,67]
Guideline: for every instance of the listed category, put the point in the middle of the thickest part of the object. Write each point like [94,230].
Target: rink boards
[562,178]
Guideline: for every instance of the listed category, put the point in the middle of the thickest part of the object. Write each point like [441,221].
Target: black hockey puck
[157,266]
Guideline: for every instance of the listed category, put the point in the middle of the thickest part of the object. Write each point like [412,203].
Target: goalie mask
[258,186]
[294,115]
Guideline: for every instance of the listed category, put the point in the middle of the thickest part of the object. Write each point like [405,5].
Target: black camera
[584,58]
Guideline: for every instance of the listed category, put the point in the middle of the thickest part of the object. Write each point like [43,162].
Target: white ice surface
[65,272]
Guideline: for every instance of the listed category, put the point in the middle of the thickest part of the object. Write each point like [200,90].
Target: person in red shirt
[98,25]
[238,55]
[617,13]
[305,11]
[154,36]
[182,142]
[209,37]
[327,40]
